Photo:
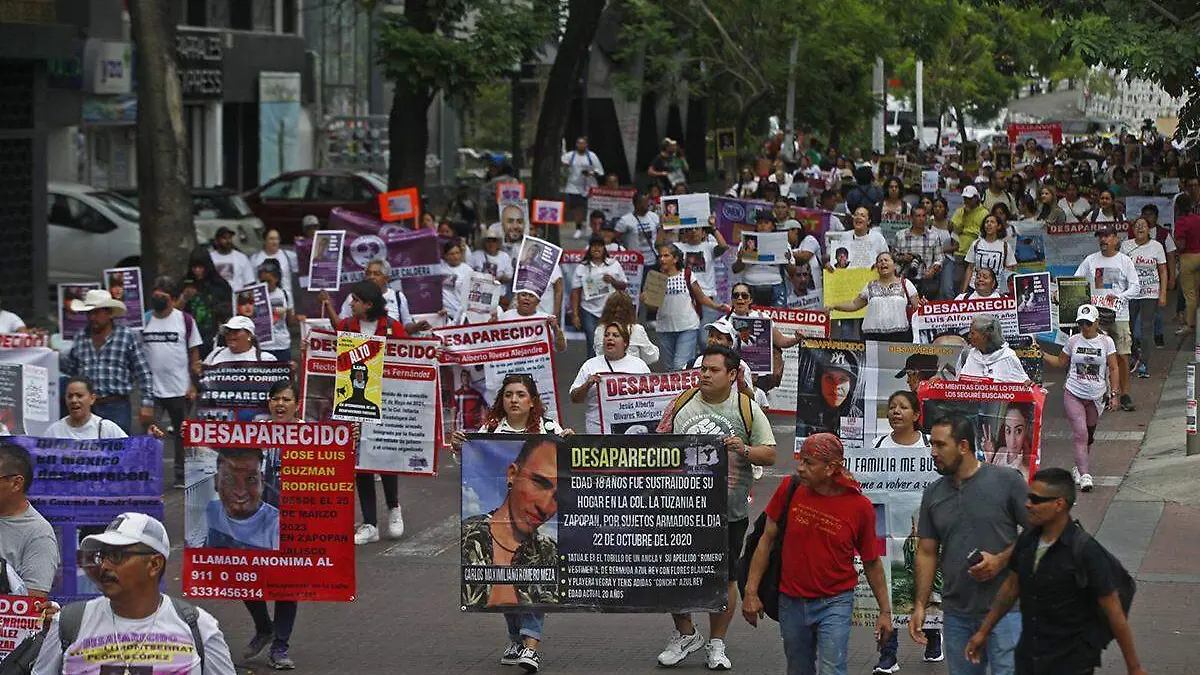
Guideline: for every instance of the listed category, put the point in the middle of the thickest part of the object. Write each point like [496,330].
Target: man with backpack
[1074,594]
[133,628]
[718,408]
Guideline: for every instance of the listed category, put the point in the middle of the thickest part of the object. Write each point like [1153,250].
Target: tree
[451,46]
[168,233]
[583,18]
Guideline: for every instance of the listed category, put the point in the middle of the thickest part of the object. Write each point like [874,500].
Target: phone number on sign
[225,592]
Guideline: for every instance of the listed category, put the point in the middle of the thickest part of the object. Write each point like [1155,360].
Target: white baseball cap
[970,192]
[131,528]
[239,323]
[494,231]
[1087,313]
[725,326]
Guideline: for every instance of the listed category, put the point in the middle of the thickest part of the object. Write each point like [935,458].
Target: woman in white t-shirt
[904,416]
[678,318]
[985,286]
[700,252]
[619,308]
[282,316]
[1092,385]
[613,358]
[240,344]
[991,250]
[887,300]
[1150,260]
[596,278]
[288,264]
[80,424]
[1108,209]
[456,280]
[768,282]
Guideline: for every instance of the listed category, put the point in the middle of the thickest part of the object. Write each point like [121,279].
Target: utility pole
[879,122]
[789,150]
[920,104]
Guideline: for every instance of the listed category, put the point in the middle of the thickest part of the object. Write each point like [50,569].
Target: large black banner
[594,523]
[237,391]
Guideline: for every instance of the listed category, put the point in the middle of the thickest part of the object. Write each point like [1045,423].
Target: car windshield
[226,206]
[375,180]
[118,204]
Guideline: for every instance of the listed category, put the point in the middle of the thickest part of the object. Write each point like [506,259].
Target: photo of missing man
[509,509]
[226,500]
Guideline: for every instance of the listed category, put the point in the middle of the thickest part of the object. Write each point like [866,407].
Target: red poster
[1007,417]
[269,511]
[20,617]
[400,205]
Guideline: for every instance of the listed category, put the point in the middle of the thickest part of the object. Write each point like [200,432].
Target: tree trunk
[408,135]
[962,124]
[582,22]
[168,233]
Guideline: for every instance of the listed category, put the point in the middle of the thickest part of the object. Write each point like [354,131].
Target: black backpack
[768,587]
[1101,634]
[70,617]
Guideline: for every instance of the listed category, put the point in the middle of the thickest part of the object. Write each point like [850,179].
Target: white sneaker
[1075,475]
[679,646]
[716,655]
[395,523]
[1085,482]
[365,534]
[579,233]
[757,471]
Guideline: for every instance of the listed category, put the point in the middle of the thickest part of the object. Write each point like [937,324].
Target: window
[337,189]
[70,212]
[118,204]
[286,188]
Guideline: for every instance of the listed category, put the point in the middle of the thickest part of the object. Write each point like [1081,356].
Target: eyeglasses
[741,296]
[1040,499]
[116,556]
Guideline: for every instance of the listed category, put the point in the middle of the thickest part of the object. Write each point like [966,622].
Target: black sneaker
[1127,403]
[1159,341]
[887,665]
[933,647]
[528,660]
[511,653]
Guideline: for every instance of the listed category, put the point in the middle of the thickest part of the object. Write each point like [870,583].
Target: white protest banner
[845,251]
[1067,244]
[20,617]
[501,348]
[929,181]
[405,440]
[939,318]
[1165,205]
[809,323]
[684,211]
[535,265]
[483,297]
[613,202]
[765,248]
[634,404]
[631,264]
[28,384]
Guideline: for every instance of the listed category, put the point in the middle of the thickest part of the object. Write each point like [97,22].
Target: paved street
[407,620]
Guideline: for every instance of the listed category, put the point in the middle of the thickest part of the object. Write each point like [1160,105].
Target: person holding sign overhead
[887,300]
[518,409]
[678,317]
[614,358]
[596,278]
[370,318]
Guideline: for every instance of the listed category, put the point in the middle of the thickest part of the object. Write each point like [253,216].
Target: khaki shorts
[1122,337]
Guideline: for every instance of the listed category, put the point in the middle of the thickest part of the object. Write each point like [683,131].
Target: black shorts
[737,538]
[575,201]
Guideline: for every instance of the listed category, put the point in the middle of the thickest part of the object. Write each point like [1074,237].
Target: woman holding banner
[887,300]
[1092,385]
[518,409]
[614,358]
[370,316]
[282,403]
[679,315]
[596,278]
[989,356]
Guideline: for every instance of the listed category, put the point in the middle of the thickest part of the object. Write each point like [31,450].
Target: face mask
[159,302]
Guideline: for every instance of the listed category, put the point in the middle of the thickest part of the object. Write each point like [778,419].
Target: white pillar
[788,150]
[214,151]
[878,123]
[920,104]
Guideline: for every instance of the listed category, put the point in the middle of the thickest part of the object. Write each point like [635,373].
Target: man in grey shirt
[27,541]
[971,514]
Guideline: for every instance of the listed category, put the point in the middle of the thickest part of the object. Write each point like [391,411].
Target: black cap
[1104,229]
[924,363]
[222,231]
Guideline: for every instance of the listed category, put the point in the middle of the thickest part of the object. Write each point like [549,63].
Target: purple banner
[756,339]
[81,486]
[70,322]
[325,262]
[125,285]
[1032,292]
[254,303]
[415,258]
[535,264]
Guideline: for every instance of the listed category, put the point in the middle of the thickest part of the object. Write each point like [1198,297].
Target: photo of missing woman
[831,394]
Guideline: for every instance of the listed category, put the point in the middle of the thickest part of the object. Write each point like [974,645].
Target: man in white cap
[133,628]
[112,357]
[240,344]
[525,306]
[967,222]
[492,259]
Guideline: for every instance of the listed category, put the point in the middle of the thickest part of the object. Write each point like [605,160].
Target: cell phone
[974,557]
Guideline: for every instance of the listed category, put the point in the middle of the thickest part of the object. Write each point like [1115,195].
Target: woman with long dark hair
[518,409]
[991,250]
[206,296]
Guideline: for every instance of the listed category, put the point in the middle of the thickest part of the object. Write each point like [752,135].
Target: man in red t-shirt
[829,520]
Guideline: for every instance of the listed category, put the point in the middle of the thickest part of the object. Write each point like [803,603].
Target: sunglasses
[1083,322]
[116,556]
[741,296]
[1039,499]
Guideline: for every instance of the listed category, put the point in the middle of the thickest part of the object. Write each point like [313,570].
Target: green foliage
[459,45]
[486,122]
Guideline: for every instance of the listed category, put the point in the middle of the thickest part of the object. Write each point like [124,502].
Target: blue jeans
[523,625]
[120,412]
[816,633]
[946,279]
[281,627]
[589,322]
[846,329]
[1001,645]
[707,316]
[677,349]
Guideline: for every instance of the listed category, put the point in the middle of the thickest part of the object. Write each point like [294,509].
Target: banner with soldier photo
[809,323]
[269,511]
[579,524]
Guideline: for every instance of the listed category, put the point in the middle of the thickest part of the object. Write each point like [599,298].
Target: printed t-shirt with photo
[1087,374]
[699,257]
[1146,259]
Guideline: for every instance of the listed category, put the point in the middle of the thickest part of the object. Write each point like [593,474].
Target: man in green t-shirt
[719,409]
